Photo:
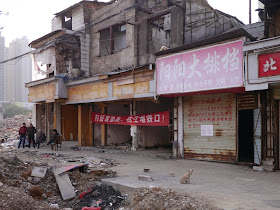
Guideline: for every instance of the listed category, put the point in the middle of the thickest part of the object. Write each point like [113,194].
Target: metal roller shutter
[210,127]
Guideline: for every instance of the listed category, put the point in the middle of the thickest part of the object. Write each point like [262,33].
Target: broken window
[67,23]
[159,33]
[112,39]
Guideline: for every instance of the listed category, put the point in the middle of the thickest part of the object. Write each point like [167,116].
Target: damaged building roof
[82,3]
[231,34]
[50,36]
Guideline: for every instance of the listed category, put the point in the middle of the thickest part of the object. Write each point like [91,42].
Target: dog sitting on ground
[186,178]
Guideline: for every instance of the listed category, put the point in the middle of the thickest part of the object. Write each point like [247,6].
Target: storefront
[207,82]
[262,67]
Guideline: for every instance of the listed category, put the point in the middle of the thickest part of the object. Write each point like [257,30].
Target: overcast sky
[32,18]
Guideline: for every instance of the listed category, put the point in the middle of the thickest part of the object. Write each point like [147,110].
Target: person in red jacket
[22,134]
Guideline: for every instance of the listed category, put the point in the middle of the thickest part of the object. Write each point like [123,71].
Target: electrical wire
[91,24]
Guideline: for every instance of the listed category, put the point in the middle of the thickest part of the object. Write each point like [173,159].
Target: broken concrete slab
[64,184]
[39,172]
[145,178]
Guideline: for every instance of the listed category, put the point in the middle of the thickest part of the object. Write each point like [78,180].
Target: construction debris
[65,186]
[22,176]
[157,198]
[39,172]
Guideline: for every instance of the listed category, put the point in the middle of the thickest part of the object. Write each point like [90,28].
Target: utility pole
[250,9]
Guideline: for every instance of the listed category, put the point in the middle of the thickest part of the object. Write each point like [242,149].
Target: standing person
[22,133]
[30,134]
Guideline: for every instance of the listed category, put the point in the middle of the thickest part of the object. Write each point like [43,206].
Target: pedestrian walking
[22,135]
[31,130]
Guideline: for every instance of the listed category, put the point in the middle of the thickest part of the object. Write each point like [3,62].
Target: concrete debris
[258,168]
[16,176]
[171,174]
[39,172]
[64,184]
[145,178]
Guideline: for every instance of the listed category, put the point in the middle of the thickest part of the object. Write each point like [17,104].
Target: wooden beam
[80,125]
[103,128]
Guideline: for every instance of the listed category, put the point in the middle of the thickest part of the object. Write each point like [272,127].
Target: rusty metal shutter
[219,111]
[276,93]
[247,101]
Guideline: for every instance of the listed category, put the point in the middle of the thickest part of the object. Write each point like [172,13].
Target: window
[112,39]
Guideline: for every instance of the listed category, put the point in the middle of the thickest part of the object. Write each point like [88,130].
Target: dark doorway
[246,136]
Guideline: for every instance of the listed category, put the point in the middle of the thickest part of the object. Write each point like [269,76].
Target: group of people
[29,133]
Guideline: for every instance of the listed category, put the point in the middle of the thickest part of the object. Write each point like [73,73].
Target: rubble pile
[158,198]
[43,192]
[9,127]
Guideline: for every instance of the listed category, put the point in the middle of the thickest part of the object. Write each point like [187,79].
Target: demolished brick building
[100,58]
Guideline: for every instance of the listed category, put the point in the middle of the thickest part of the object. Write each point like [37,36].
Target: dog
[186,178]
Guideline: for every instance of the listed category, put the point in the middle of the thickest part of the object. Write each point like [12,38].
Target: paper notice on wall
[206,130]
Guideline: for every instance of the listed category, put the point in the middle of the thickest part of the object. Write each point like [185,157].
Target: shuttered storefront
[210,127]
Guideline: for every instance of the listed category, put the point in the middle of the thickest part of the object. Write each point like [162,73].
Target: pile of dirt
[158,198]
[9,127]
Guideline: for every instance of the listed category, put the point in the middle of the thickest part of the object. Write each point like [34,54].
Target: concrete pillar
[133,128]
[57,117]
[180,128]
[178,143]
[47,131]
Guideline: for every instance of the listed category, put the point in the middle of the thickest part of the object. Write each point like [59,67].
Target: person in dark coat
[41,137]
[55,134]
[22,135]
[31,130]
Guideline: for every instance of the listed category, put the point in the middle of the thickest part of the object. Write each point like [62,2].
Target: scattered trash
[82,168]
[56,206]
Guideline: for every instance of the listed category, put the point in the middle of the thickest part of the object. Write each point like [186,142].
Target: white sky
[32,18]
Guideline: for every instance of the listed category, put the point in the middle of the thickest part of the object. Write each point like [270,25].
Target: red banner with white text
[155,119]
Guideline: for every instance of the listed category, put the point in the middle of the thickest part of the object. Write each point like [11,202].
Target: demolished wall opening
[115,134]
[112,39]
[159,33]
[154,136]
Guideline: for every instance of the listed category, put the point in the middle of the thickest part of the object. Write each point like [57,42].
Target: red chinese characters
[269,64]
[155,119]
